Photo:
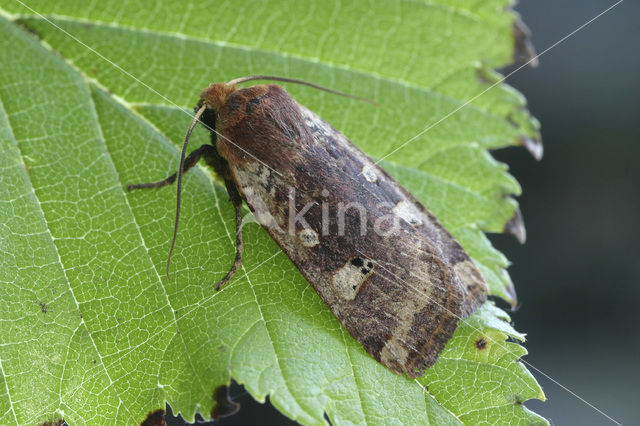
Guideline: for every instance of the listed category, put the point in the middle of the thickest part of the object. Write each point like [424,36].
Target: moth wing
[401,293]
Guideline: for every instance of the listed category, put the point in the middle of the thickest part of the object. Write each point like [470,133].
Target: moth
[390,272]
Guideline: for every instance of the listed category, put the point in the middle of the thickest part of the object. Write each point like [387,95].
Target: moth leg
[191,160]
[235,198]
[221,167]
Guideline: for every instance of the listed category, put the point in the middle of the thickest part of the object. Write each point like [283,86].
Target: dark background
[578,275]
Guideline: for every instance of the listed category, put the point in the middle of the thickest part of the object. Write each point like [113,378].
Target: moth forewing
[384,265]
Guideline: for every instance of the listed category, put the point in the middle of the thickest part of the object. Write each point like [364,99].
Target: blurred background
[578,275]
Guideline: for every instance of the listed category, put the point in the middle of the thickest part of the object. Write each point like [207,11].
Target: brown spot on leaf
[523,52]
[223,405]
[155,418]
[52,423]
[481,343]
[515,227]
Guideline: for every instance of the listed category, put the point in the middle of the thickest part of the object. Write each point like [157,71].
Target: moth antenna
[304,83]
[196,118]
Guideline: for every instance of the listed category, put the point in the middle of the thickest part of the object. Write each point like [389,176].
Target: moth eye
[481,343]
[369,265]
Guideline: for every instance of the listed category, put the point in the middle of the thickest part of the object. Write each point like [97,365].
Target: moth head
[215,95]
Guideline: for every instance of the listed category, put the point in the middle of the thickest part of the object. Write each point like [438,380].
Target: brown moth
[385,266]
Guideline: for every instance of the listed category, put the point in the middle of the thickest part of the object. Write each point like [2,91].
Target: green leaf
[92,332]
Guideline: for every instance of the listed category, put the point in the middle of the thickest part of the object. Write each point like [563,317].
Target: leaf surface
[94,333]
